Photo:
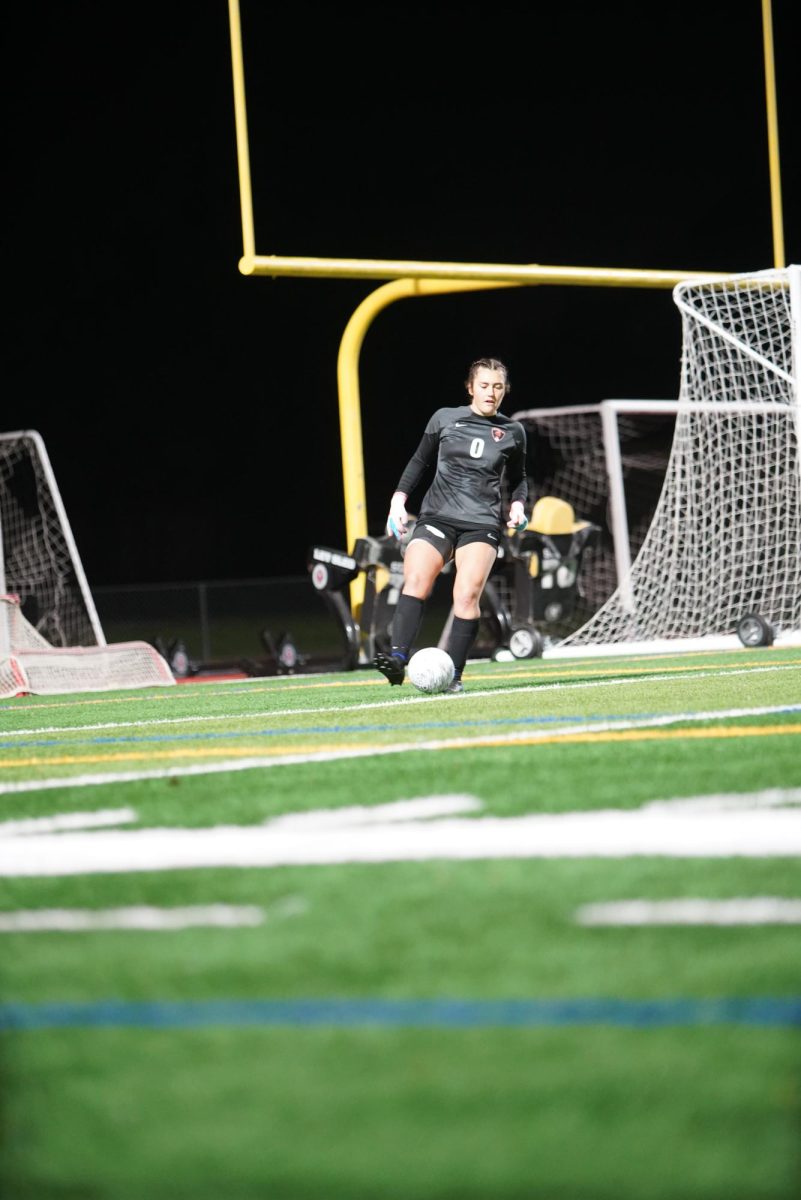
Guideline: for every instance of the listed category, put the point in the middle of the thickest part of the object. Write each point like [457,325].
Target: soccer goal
[724,540]
[51,640]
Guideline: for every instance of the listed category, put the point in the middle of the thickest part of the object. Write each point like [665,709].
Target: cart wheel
[526,642]
[754,630]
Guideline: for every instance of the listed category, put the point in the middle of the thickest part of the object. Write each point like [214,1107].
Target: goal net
[725,537]
[51,640]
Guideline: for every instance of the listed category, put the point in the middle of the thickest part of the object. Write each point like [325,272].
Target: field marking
[359,1013]
[422,808]
[303,683]
[255,757]
[138,917]
[78,820]
[754,910]
[757,910]
[404,701]
[751,829]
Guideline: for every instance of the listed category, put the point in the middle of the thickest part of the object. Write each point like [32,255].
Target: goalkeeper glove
[517,517]
[398,518]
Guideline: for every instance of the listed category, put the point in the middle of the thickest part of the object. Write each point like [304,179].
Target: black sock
[405,625]
[463,634]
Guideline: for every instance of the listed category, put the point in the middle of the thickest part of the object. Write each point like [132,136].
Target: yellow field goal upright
[422,278]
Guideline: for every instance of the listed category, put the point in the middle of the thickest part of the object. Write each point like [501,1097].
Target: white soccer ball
[431,670]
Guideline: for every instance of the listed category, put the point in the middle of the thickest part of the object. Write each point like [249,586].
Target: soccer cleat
[455,689]
[390,665]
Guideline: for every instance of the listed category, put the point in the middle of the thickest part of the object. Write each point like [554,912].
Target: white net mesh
[93,668]
[726,535]
[39,559]
[31,666]
[19,633]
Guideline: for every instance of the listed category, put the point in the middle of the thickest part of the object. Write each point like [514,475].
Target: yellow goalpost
[415,278]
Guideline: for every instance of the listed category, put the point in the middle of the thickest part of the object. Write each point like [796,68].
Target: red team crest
[497,434]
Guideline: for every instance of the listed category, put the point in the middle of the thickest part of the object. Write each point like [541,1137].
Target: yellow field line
[513,740]
[640,735]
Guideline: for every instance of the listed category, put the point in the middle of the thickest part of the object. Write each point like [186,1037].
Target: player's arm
[517,481]
[418,465]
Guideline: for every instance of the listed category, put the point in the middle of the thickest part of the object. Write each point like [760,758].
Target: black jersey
[471,454]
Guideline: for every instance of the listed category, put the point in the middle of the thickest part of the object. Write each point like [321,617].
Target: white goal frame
[69,547]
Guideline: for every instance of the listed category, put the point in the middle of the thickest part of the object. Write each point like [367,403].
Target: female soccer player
[461,514]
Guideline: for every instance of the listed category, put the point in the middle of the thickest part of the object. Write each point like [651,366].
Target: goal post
[51,639]
[725,537]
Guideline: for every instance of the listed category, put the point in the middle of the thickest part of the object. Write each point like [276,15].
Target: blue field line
[385,727]
[205,735]
[762,1011]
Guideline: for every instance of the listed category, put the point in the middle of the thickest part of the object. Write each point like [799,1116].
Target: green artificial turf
[245,1109]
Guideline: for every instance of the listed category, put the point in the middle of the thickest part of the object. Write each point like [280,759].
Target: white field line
[756,910]
[527,737]
[579,685]
[82,920]
[424,808]
[758,831]
[147,917]
[328,818]
[419,807]
[718,801]
[78,820]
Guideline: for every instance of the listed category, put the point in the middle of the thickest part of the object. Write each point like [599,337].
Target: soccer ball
[431,670]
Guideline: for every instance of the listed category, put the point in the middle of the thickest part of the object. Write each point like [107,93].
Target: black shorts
[448,538]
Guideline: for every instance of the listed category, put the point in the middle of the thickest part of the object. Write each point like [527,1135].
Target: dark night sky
[191,413]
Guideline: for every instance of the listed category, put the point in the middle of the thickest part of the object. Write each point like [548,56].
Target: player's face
[487,391]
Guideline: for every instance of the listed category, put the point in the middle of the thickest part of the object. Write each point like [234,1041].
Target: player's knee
[466,598]
[417,583]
